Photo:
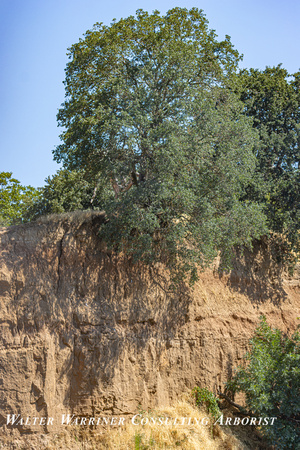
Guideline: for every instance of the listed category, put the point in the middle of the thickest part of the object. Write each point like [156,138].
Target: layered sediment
[87,333]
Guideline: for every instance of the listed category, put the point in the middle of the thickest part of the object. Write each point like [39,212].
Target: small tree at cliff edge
[270,379]
[148,110]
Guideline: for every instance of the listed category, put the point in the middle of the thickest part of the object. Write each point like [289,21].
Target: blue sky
[35,35]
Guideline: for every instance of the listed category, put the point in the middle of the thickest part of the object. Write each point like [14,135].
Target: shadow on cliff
[257,274]
[134,319]
[107,317]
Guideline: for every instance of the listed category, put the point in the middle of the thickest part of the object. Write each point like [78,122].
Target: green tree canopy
[15,199]
[149,112]
[272,99]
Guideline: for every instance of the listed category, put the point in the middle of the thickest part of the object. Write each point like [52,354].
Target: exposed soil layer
[86,333]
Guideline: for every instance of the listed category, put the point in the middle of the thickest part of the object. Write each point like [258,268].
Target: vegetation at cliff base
[204,397]
[270,379]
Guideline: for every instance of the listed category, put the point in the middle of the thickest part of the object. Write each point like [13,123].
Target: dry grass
[79,216]
[137,437]
[157,436]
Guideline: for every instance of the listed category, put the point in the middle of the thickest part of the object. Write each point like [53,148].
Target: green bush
[270,380]
[66,191]
[204,397]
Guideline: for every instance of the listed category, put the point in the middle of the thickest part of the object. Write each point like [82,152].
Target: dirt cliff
[87,333]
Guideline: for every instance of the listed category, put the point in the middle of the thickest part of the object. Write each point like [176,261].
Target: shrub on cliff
[66,191]
[271,381]
[149,113]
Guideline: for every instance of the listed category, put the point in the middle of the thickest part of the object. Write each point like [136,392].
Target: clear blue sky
[35,35]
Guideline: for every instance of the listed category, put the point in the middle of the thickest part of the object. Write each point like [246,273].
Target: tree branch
[121,187]
[94,194]
[239,407]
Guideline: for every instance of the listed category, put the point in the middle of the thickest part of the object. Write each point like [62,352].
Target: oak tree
[150,112]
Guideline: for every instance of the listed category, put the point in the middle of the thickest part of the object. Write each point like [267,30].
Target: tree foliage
[148,111]
[272,99]
[204,397]
[270,379]
[15,199]
[67,191]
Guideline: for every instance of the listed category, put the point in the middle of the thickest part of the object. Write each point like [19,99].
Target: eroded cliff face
[86,333]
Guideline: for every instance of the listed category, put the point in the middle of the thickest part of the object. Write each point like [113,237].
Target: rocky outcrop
[87,333]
